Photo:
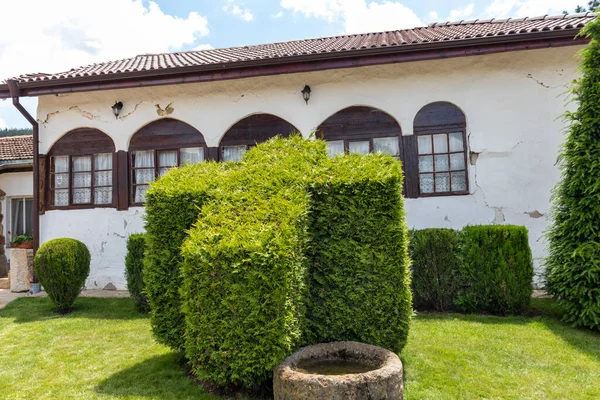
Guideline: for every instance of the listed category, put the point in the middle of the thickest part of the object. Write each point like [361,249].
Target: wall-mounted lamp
[306,93]
[117,109]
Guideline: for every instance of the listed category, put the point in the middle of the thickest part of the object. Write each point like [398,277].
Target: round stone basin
[339,371]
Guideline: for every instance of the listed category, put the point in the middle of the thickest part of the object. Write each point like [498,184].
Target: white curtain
[16,217]
[166,160]
[61,180]
[145,160]
[389,145]
[192,155]
[82,181]
[103,163]
[335,147]
[359,147]
[234,153]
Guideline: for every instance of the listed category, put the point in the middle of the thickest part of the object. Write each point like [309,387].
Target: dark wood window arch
[82,171]
[159,146]
[249,131]
[362,130]
[441,150]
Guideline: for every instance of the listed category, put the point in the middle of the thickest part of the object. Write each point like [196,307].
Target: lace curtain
[335,147]
[103,178]
[143,176]
[61,181]
[442,163]
[166,161]
[233,153]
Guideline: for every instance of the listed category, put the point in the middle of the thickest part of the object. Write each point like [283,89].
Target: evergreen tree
[573,264]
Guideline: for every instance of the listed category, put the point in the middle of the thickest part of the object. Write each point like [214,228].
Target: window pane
[61,181]
[456,142]
[457,161]
[140,193]
[335,147]
[440,143]
[425,163]
[192,155]
[16,214]
[143,159]
[103,178]
[234,153]
[163,171]
[389,146]
[426,183]
[167,158]
[61,197]
[103,161]
[441,162]
[442,182]
[82,179]
[424,142]
[359,147]
[459,181]
[61,164]
[143,176]
[82,196]
[28,215]
[82,163]
[103,195]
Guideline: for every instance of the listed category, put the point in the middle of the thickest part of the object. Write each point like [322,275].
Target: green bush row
[134,266]
[487,268]
[251,288]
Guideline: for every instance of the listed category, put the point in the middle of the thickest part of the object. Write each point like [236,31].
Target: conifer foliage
[573,264]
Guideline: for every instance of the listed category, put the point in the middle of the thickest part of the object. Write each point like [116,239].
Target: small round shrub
[134,266]
[62,266]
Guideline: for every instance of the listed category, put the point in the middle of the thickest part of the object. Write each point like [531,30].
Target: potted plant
[22,241]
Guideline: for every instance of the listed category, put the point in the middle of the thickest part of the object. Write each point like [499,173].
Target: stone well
[339,371]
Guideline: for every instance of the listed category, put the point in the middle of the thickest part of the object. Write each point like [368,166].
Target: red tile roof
[16,148]
[450,32]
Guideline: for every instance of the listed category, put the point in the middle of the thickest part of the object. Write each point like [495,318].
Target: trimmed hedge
[244,265]
[62,266]
[134,267]
[173,204]
[573,263]
[436,260]
[359,278]
[497,269]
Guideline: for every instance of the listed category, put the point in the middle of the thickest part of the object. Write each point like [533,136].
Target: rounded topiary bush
[62,265]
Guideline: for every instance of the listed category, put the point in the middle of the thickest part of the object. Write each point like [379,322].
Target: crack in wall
[83,113]
[132,111]
[542,83]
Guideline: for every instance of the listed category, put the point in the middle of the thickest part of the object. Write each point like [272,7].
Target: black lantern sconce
[306,93]
[117,109]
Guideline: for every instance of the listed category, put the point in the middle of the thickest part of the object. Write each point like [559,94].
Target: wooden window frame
[132,169]
[70,173]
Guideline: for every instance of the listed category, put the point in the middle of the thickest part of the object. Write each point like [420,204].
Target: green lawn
[104,350]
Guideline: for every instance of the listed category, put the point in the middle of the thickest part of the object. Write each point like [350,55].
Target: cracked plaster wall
[512,102]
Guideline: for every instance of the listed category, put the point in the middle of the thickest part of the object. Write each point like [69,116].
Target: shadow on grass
[161,377]
[546,311]
[32,309]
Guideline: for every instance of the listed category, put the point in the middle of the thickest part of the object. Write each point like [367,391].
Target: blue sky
[62,34]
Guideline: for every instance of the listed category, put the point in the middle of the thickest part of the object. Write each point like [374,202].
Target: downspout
[13,87]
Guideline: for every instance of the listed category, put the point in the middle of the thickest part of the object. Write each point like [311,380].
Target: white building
[487,94]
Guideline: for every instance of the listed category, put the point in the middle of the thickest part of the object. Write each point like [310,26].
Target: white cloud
[461,13]
[278,15]
[242,13]
[529,8]
[203,47]
[433,16]
[358,16]
[62,34]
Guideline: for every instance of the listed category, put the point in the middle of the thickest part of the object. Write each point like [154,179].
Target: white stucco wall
[512,102]
[15,185]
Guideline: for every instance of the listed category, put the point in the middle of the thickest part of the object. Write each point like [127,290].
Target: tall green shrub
[497,269]
[62,266]
[244,265]
[436,261]
[134,267]
[359,278]
[172,205]
[573,263]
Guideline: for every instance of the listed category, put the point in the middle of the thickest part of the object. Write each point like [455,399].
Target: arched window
[249,131]
[81,170]
[158,146]
[361,130]
[440,131]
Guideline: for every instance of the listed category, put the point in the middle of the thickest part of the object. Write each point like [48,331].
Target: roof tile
[16,148]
